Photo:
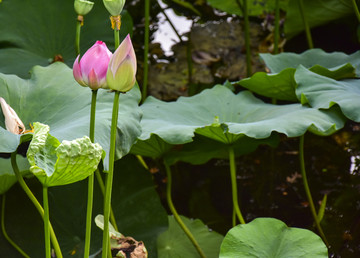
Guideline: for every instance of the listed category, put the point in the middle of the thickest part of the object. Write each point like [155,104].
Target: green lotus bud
[83,7]
[114,7]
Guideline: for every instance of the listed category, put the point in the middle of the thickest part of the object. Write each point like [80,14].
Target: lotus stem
[356,9]
[90,179]
[36,204]
[117,37]
[18,248]
[46,222]
[234,185]
[277,27]
[307,190]
[102,189]
[146,50]
[79,22]
[306,25]
[176,215]
[109,177]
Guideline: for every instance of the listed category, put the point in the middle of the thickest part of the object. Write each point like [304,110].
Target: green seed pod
[83,7]
[114,6]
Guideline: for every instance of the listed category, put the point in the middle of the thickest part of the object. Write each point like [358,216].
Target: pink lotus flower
[122,67]
[91,69]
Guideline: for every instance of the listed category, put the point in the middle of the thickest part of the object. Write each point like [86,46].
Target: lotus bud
[12,121]
[122,67]
[114,7]
[83,7]
[90,70]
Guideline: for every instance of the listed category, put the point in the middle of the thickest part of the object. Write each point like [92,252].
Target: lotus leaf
[174,242]
[269,237]
[323,92]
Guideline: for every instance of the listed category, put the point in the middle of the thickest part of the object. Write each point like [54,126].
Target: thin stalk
[90,179]
[146,50]
[46,222]
[233,218]
[18,248]
[307,190]
[117,37]
[189,60]
[277,27]
[234,185]
[171,24]
[244,9]
[109,178]
[356,9]
[36,203]
[306,25]
[176,215]
[102,189]
[77,37]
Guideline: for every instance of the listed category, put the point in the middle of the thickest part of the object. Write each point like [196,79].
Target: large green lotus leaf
[271,238]
[318,12]
[136,205]
[61,164]
[202,149]
[314,57]
[54,22]
[323,92]
[282,85]
[53,97]
[255,8]
[221,115]
[174,242]
[7,176]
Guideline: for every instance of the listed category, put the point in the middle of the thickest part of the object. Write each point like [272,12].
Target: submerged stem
[306,25]
[35,202]
[234,185]
[176,215]
[11,242]
[46,222]
[307,190]
[109,178]
[146,50]
[90,179]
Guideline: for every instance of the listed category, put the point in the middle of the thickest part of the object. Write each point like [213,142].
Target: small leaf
[60,164]
[269,237]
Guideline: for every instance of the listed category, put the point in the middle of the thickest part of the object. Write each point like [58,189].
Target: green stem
[244,9]
[117,38]
[102,189]
[234,185]
[356,9]
[46,222]
[307,190]
[77,37]
[233,218]
[90,179]
[176,215]
[306,25]
[109,178]
[277,27]
[146,50]
[35,202]
[4,230]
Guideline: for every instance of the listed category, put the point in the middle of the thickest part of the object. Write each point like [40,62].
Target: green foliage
[280,83]
[268,237]
[255,8]
[317,12]
[174,242]
[38,32]
[136,205]
[60,164]
[322,92]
